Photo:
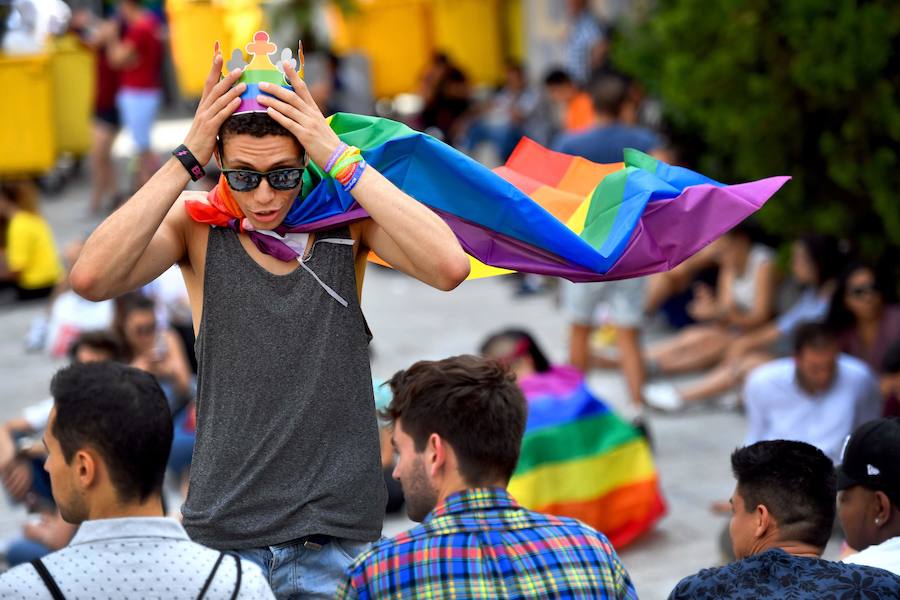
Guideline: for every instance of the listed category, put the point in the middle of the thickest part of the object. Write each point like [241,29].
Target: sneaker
[663,396]
[36,337]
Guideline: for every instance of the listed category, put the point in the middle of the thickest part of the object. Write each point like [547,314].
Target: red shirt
[107,83]
[144,36]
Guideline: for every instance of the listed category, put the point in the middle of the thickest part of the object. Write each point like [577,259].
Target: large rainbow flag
[543,212]
[579,459]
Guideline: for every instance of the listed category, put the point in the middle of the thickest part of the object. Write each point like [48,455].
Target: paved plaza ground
[410,322]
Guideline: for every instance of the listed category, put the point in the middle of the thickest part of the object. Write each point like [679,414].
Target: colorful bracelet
[335,156]
[344,163]
[357,173]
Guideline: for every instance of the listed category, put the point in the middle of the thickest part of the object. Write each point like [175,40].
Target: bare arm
[408,235]
[137,242]
[147,234]
[402,231]
[121,54]
[760,338]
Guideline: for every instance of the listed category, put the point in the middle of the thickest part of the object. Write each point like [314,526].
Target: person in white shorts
[624,301]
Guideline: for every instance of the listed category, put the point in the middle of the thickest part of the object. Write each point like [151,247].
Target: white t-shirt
[38,415]
[885,555]
[743,287]
[779,409]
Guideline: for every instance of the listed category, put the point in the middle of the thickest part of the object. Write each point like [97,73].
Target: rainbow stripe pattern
[543,212]
[262,69]
[580,460]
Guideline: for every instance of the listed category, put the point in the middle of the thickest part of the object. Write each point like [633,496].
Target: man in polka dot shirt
[107,442]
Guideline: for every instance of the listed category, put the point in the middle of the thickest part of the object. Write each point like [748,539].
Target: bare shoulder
[193,234]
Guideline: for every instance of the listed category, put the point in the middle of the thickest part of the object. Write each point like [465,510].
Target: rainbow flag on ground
[580,460]
[545,213]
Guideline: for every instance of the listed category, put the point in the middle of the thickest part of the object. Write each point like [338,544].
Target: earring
[878,521]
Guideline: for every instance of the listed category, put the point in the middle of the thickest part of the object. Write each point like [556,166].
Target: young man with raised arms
[286,467]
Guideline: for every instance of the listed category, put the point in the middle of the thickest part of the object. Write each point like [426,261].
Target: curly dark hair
[254,124]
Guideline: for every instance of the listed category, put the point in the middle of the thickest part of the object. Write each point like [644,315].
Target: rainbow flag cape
[543,212]
[580,460]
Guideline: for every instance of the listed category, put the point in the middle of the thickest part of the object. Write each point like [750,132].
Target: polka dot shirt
[135,558]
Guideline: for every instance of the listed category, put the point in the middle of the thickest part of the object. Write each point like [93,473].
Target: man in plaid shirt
[458,426]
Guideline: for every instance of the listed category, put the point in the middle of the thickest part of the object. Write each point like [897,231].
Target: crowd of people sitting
[523,481]
[456,427]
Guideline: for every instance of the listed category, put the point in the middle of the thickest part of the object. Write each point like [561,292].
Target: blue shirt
[775,574]
[604,144]
[810,306]
[481,544]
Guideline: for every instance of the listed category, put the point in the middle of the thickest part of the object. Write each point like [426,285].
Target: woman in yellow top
[29,262]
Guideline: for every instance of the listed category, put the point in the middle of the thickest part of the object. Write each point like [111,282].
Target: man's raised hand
[299,114]
[218,102]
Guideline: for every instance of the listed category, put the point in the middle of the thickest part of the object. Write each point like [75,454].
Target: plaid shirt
[481,544]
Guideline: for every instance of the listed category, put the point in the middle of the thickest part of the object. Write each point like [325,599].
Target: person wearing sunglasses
[286,469]
[862,313]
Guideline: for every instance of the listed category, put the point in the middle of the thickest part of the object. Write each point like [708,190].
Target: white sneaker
[663,396]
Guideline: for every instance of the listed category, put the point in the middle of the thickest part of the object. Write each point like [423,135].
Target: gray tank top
[287,439]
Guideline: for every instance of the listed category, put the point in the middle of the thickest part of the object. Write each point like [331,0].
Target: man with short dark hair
[574,103]
[458,427]
[782,515]
[868,481]
[107,444]
[605,143]
[817,396]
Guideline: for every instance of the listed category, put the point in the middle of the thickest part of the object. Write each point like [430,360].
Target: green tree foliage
[809,88]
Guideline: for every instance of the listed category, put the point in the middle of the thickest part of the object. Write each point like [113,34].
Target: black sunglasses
[244,180]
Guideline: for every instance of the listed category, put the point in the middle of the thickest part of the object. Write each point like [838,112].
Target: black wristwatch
[189,161]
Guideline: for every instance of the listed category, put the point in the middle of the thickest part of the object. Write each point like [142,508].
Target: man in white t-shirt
[817,396]
[869,494]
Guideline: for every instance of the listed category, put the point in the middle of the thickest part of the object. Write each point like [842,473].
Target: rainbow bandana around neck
[542,212]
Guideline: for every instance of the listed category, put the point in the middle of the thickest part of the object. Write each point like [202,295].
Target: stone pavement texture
[410,322]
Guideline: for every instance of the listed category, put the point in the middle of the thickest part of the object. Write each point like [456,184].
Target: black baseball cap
[871,458]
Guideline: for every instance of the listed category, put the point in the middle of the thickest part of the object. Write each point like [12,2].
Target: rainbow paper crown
[261,68]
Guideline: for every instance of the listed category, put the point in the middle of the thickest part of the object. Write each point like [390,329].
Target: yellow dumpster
[396,37]
[194,27]
[27,142]
[73,73]
[243,18]
[399,37]
[471,33]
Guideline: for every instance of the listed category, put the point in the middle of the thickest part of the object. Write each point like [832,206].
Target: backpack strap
[48,580]
[237,584]
[212,574]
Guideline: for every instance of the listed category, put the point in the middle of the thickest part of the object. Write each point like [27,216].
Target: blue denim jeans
[295,571]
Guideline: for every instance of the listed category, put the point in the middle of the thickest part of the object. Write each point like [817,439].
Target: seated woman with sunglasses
[866,323]
[286,469]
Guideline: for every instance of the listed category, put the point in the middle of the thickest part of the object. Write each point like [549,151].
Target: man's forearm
[423,237]
[111,253]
